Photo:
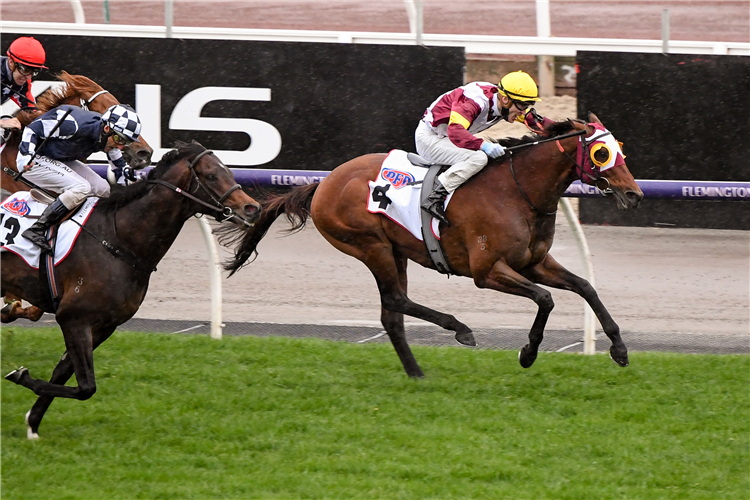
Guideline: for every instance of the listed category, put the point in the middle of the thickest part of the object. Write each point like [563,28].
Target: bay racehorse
[78,91]
[502,227]
[100,291]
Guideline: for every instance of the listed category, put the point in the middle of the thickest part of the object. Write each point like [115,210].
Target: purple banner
[683,190]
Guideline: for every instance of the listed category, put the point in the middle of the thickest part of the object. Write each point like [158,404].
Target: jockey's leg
[464,164]
[99,186]
[56,176]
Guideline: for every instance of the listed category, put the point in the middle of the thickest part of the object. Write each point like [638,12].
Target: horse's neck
[545,182]
[149,226]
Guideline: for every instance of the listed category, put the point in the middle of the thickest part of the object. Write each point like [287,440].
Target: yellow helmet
[519,86]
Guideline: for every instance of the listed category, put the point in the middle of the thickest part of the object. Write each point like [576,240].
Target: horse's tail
[295,205]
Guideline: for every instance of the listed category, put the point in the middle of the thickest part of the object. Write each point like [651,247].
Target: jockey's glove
[493,149]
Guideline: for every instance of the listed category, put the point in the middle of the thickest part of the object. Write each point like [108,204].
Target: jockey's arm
[535,122]
[123,174]
[463,114]
[27,147]
[28,115]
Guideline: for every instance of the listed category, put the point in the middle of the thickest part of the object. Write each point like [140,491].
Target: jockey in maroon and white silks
[445,135]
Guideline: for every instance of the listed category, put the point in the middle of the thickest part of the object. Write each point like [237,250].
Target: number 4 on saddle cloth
[19,211]
[396,194]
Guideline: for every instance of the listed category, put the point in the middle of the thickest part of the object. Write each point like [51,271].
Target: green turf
[178,416]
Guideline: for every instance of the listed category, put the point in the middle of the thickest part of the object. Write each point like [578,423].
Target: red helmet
[27,51]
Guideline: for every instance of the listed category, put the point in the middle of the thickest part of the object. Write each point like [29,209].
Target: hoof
[466,338]
[620,358]
[30,434]
[16,375]
[525,357]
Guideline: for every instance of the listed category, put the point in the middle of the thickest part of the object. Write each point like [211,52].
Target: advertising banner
[277,105]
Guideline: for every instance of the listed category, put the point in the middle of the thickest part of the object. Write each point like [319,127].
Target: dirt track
[651,279]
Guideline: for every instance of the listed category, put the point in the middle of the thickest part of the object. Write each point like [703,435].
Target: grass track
[178,416]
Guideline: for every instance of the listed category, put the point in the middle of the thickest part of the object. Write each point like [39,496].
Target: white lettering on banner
[714,191]
[265,139]
[294,180]
[581,188]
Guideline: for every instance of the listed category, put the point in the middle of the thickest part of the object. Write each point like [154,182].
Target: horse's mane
[75,86]
[124,195]
[555,129]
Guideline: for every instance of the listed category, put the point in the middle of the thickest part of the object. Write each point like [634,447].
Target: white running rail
[473,44]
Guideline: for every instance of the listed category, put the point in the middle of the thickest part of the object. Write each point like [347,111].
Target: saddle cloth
[394,194]
[16,214]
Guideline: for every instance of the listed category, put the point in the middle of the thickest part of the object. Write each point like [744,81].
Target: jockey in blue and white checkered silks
[52,157]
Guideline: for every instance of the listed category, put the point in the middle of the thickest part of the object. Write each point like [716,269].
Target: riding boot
[435,202]
[37,233]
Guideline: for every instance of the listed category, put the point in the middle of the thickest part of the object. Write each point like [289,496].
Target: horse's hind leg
[60,375]
[393,322]
[381,262]
[550,273]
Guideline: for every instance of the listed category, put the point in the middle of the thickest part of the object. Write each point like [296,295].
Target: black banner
[279,105]
[680,117]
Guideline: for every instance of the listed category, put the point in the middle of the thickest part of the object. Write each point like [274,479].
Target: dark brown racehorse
[78,91]
[503,224]
[101,291]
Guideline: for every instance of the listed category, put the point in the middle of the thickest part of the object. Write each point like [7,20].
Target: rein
[535,143]
[584,144]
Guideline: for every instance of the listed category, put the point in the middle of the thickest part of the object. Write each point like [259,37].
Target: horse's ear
[593,118]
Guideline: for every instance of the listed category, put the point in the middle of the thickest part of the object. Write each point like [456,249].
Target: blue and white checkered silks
[123,120]
[40,129]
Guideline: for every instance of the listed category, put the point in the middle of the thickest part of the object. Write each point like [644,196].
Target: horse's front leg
[550,273]
[503,278]
[79,347]
[60,375]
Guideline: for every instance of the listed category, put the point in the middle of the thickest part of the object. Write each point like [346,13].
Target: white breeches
[73,179]
[436,149]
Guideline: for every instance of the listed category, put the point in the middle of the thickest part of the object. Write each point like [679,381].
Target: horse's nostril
[634,196]
[251,209]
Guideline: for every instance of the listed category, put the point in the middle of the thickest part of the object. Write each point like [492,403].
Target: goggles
[27,70]
[120,140]
[522,105]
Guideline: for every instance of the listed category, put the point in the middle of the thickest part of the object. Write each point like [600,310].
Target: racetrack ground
[185,416]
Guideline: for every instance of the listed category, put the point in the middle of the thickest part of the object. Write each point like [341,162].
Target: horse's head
[601,163]
[203,178]
[86,93]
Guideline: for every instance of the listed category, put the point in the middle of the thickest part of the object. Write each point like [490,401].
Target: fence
[704,190]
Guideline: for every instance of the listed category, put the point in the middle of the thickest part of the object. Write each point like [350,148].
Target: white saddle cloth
[15,213]
[393,182]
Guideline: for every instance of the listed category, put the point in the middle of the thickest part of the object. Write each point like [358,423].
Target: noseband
[222,212]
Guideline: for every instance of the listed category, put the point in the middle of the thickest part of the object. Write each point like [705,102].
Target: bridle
[85,104]
[583,149]
[223,212]
[584,156]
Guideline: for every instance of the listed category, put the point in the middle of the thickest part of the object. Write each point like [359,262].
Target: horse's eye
[210,177]
[600,154]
